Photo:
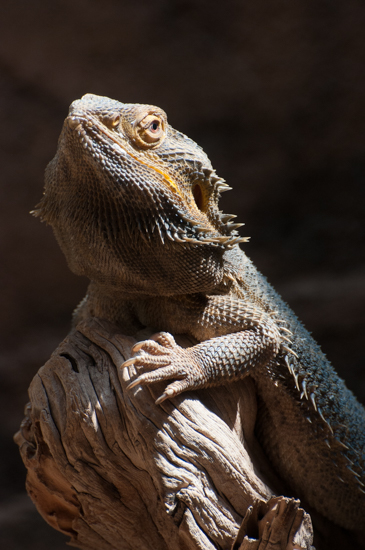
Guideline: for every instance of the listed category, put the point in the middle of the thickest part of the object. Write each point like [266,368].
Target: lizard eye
[150,131]
[154,126]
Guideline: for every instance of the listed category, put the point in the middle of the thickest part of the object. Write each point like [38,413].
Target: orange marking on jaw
[166,176]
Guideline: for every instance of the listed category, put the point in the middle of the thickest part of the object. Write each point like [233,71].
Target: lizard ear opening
[198,197]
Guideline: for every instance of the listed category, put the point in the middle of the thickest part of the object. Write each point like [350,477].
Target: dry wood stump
[113,470]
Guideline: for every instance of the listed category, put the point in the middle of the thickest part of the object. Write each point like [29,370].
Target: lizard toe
[165,339]
[174,389]
[158,375]
[149,346]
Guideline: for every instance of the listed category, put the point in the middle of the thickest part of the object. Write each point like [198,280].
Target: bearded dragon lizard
[134,206]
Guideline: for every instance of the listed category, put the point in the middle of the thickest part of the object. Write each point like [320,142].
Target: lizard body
[134,206]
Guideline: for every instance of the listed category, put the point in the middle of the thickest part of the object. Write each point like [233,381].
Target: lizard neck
[112,304]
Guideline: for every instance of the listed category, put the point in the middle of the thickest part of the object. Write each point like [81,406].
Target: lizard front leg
[253,340]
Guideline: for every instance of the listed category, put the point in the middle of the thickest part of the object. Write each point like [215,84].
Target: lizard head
[134,203]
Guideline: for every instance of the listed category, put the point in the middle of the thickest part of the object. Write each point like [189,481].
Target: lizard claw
[164,359]
[172,390]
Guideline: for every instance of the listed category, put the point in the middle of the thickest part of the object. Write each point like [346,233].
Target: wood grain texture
[114,471]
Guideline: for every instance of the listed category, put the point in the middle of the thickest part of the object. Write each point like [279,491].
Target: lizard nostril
[111,121]
[198,196]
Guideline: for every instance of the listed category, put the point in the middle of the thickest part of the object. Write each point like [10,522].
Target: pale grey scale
[243,353]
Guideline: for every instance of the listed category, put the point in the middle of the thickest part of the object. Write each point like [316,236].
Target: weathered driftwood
[114,471]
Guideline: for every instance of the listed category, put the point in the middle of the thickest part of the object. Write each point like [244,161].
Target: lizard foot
[164,359]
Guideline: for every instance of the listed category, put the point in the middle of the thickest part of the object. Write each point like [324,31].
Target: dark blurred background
[275,94]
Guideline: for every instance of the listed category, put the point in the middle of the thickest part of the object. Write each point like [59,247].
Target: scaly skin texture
[134,207]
